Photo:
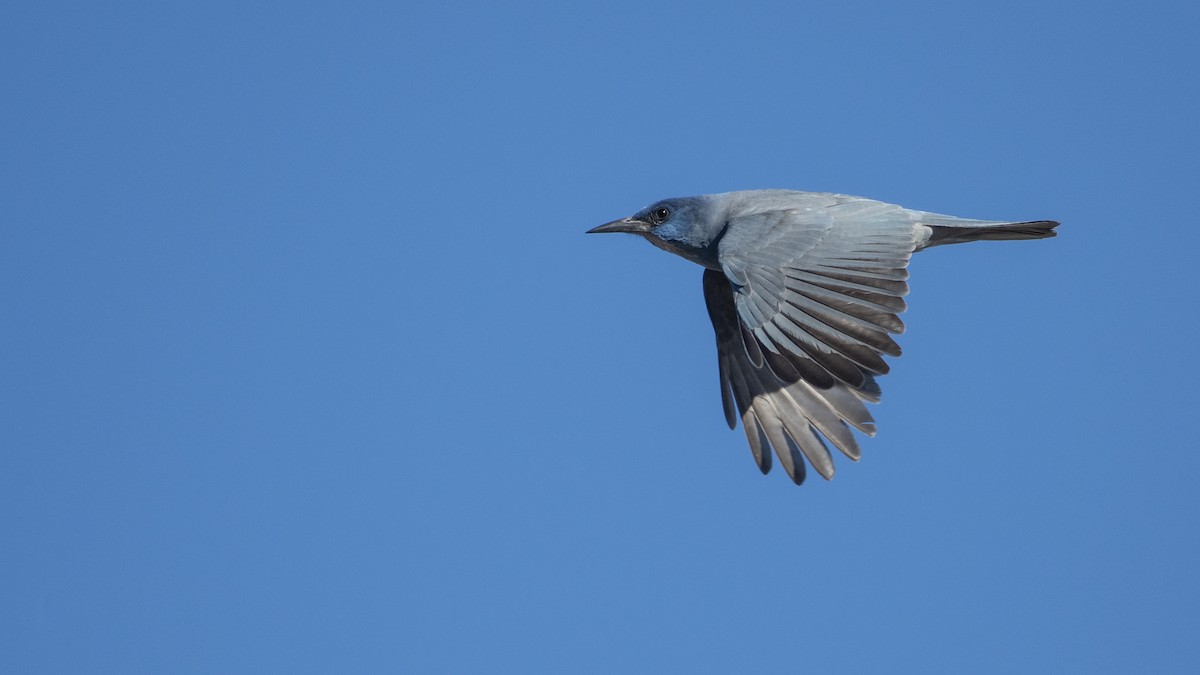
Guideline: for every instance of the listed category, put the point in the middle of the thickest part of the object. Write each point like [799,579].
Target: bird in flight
[803,290]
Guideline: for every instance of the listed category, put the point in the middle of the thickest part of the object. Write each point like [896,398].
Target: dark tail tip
[1034,229]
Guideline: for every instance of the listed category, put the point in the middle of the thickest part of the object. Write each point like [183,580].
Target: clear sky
[308,366]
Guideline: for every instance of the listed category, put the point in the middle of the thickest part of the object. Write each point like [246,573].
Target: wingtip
[799,475]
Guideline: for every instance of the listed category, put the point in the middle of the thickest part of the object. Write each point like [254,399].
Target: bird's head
[686,226]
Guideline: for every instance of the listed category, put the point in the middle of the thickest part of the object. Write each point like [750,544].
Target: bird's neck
[705,256]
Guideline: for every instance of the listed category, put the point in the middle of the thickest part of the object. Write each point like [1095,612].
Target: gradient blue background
[308,366]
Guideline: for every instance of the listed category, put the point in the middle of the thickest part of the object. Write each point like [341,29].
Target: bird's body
[803,289]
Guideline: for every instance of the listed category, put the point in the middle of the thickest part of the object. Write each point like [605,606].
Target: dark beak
[631,225]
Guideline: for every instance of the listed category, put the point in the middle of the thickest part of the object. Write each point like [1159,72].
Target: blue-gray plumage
[804,289]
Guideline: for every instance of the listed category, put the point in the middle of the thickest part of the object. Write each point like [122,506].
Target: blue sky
[309,366]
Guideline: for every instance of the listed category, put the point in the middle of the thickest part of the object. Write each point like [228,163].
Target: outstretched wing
[804,309]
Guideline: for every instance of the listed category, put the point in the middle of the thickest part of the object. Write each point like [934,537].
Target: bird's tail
[949,230]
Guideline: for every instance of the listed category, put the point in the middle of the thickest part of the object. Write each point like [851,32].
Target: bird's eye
[660,214]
